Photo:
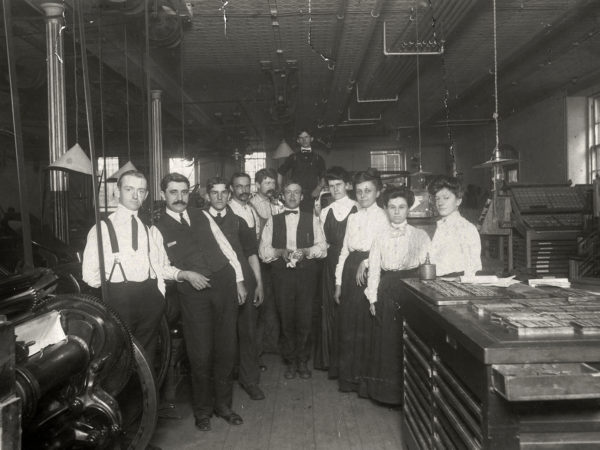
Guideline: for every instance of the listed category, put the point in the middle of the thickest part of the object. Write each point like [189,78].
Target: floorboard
[296,414]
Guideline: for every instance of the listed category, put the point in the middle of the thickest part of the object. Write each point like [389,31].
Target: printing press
[72,375]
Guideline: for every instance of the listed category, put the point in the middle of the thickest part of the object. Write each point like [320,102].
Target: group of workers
[242,251]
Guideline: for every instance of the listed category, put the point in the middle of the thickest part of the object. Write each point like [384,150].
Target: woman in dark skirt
[333,220]
[395,254]
[354,320]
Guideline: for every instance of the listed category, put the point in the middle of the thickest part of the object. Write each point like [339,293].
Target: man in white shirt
[133,273]
[240,201]
[291,242]
[266,205]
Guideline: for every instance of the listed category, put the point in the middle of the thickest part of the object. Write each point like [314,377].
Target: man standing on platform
[307,168]
[212,290]
[243,240]
[265,204]
[291,242]
[132,270]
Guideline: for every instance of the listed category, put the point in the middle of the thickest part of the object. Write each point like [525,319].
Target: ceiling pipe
[336,107]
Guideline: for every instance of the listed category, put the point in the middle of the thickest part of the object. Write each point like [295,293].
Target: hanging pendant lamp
[498,157]
[283,150]
[421,174]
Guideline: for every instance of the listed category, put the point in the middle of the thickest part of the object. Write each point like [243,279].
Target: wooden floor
[297,414]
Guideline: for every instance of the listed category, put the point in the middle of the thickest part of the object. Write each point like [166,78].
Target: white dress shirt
[222,241]
[456,246]
[400,247]
[265,207]
[361,230]
[268,254]
[247,212]
[137,264]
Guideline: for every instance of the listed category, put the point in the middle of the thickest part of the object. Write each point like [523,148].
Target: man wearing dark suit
[291,241]
[243,240]
[209,301]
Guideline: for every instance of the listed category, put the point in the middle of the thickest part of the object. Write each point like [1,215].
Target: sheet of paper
[44,330]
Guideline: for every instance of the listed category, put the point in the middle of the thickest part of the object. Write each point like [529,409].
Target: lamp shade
[73,160]
[283,150]
[125,168]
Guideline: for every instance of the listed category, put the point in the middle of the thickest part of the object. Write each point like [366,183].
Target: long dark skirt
[354,329]
[385,376]
[326,339]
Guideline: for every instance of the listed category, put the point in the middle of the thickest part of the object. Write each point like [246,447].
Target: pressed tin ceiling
[246,73]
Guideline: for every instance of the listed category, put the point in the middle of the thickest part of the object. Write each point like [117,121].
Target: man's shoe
[304,371]
[254,392]
[231,418]
[203,423]
[290,371]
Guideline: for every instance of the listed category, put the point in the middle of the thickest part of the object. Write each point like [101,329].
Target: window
[253,162]
[107,166]
[388,160]
[185,167]
[594,137]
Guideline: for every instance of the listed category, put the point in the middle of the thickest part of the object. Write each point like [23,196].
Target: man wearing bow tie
[307,168]
[292,241]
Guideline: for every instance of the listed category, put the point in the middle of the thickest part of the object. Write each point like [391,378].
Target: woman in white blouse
[354,320]
[396,253]
[456,246]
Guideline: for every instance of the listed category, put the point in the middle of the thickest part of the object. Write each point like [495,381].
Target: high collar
[238,203]
[399,226]
[176,215]
[123,211]
[305,149]
[371,208]
[453,217]
[213,212]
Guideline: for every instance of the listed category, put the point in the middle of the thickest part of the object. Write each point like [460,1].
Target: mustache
[244,195]
[180,202]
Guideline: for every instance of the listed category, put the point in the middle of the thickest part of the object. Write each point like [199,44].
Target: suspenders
[114,245]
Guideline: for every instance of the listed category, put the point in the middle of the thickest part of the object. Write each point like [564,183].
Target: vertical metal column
[156,156]
[57,129]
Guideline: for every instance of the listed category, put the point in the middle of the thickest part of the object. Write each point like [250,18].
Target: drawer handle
[451,342]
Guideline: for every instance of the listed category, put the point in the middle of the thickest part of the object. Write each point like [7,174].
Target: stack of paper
[558,282]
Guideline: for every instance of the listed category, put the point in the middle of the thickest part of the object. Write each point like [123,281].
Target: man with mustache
[133,269]
[243,240]
[265,204]
[211,275]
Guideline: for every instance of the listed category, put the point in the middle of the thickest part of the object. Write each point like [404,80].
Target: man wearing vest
[133,272]
[209,301]
[243,240]
[291,241]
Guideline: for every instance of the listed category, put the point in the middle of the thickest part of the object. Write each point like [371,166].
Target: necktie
[183,221]
[134,233]
[290,211]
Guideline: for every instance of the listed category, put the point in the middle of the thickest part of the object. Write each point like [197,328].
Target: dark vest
[191,248]
[305,235]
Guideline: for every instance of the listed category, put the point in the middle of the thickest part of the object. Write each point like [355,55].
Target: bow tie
[306,149]
[290,211]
